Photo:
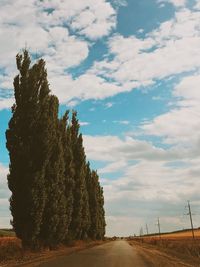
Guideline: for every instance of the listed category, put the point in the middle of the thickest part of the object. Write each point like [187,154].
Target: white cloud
[84,123]
[140,31]
[6,103]
[109,105]
[43,27]
[113,167]
[72,103]
[171,49]
[158,181]
[120,2]
[197,6]
[114,149]
[68,53]
[87,86]
[93,19]
[181,125]
[176,3]
[124,122]
[153,181]
[3,174]
[4,195]
[157,98]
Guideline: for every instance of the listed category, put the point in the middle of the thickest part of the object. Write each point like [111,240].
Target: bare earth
[115,254]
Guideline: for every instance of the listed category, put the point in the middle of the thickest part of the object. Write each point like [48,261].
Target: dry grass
[12,253]
[181,246]
[10,248]
[185,234]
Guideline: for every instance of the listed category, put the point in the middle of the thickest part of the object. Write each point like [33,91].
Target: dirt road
[113,254]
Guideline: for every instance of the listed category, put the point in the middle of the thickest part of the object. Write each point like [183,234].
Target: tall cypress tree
[85,216]
[80,215]
[54,221]
[28,146]
[96,205]
[69,171]
[101,214]
[92,185]
[54,194]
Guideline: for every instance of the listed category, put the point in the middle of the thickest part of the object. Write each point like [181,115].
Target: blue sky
[131,69]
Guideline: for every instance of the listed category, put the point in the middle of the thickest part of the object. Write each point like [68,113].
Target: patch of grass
[7,232]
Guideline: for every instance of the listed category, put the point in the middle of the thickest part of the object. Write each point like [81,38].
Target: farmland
[172,249]
[182,234]
[179,245]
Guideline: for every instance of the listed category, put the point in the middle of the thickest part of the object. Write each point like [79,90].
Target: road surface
[112,254]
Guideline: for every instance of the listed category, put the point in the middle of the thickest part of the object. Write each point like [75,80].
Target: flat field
[185,234]
[7,232]
[180,245]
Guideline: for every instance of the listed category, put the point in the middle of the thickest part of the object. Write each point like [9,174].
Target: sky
[131,68]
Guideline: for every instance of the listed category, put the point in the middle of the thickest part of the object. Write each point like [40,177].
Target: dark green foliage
[80,215]
[93,201]
[96,204]
[55,195]
[28,146]
[69,171]
[102,222]
[85,216]
[53,229]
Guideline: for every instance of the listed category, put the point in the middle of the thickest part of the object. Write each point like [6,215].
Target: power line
[141,231]
[147,229]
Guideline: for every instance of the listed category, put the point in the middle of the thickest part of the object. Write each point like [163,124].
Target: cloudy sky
[132,70]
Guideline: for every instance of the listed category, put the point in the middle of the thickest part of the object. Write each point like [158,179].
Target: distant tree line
[56,197]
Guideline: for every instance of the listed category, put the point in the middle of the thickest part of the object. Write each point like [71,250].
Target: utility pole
[147,229]
[159,227]
[190,214]
[141,231]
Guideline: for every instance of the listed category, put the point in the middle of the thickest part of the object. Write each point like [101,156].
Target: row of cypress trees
[55,195]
